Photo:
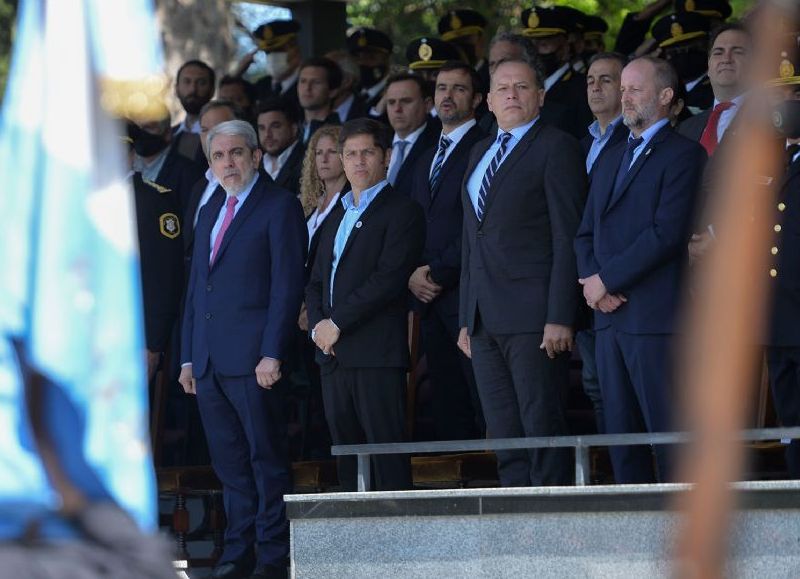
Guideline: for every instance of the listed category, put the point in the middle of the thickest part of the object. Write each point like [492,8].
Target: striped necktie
[486,183]
[436,172]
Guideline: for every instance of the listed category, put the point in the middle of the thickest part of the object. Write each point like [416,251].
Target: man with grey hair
[631,249]
[243,299]
[348,103]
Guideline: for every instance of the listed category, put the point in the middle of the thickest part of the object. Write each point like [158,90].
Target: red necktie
[709,138]
[231,203]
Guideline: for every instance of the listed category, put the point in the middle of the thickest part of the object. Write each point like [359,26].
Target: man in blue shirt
[357,303]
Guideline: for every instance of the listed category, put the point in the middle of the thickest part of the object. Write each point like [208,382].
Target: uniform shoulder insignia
[169,225]
[567,76]
[157,187]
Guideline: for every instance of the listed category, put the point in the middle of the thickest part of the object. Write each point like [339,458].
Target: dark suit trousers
[784,380]
[368,405]
[519,390]
[246,431]
[455,404]
[634,372]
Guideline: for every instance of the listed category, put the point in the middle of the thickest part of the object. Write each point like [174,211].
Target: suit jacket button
[208,316]
[208,288]
[480,234]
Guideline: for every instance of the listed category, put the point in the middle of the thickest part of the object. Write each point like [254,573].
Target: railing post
[582,466]
[364,474]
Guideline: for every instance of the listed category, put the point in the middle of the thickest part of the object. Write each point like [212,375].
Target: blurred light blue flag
[69,273]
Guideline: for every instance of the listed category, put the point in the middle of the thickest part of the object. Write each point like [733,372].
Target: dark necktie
[709,137]
[436,172]
[486,183]
[627,159]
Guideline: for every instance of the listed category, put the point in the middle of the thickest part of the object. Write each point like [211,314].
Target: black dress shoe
[233,570]
[270,572]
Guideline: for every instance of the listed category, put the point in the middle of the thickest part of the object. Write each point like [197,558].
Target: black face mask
[550,63]
[690,65]
[146,144]
[786,119]
[372,75]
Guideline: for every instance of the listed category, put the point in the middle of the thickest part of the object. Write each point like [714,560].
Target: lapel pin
[647,152]
[358,225]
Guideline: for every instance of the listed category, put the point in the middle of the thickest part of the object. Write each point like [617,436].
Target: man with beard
[372,50]
[278,136]
[194,87]
[683,40]
[565,89]
[242,304]
[631,247]
[158,159]
[435,283]
[320,79]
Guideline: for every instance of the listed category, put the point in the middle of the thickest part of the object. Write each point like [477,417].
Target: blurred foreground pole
[727,316]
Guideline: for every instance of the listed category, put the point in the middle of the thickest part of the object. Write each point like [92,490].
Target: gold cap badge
[533,20]
[676,30]
[425,51]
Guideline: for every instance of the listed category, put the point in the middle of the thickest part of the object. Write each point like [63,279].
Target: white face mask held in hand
[277,64]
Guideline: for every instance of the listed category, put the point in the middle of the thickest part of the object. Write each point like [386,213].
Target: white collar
[555,77]
[411,138]
[458,133]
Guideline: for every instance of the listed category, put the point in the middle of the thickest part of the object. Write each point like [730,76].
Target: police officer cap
[711,8]
[538,22]
[427,53]
[276,35]
[787,68]
[368,39]
[594,27]
[680,27]
[457,23]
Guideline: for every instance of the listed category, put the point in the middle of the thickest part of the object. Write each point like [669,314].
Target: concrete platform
[595,532]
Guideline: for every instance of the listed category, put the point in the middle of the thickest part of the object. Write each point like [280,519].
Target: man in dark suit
[279,138]
[631,250]
[357,304]
[320,80]
[565,104]
[523,197]
[408,102]
[437,188]
[194,87]
[244,297]
[348,103]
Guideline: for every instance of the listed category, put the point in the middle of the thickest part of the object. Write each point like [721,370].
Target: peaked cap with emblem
[680,27]
[361,39]
[538,22]
[710,8]
[428,53]
[787,69]
[463,22]
[594,27]
[275,35]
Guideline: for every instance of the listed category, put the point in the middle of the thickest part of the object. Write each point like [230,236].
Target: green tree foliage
[8,9]
[405,20]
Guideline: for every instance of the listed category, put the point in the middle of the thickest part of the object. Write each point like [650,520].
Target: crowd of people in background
[522,196]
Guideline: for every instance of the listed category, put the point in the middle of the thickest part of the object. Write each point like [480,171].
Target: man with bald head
[631,247]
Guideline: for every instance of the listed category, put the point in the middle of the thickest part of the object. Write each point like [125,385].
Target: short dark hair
[249,87]
[379,132]
[425,88]
[212,77]
[332,70]
[531,61]
[735,25]
[618,56]
[666,75]
[278,104]
[222,104]
[477,83]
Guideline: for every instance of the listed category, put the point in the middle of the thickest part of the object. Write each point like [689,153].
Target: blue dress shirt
[352,214]
[474,182]
[599,141]
[647,136]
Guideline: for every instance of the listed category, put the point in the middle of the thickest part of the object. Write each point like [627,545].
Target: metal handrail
[581,444]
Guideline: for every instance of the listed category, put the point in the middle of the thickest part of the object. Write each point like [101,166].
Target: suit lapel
[641,161]
[286,171]
[508,165]
[463,148]
[250,204]
[362,218]
[204,226]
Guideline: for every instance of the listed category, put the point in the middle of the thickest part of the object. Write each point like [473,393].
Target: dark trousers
[634,372]
[367,405]
[246,431]
[455,404]
[519,387]
[784,380]
[591,384]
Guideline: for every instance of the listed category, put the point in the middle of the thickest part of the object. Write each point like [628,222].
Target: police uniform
[161,258]
[683,39]
[275,36]
[427,54]
[565,105]
[373,79]
[783,338]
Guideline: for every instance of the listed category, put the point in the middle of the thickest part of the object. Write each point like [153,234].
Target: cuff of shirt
[186,364]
